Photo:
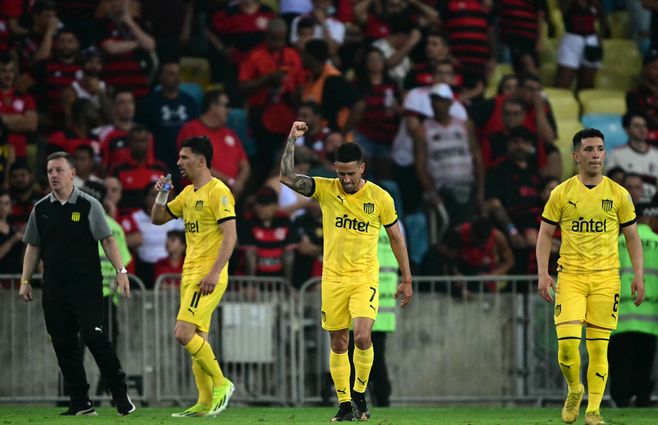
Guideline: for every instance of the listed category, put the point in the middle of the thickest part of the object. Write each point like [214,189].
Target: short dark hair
[95,189]
[120,91]
[527,76]
[628,117]
[138,129]
[586,134]
[200,145]
[211,97]
[20,164]
[85,148]
[178,234]
[43,6]
[348,152]
[317,49]
[61,154]
[4,192]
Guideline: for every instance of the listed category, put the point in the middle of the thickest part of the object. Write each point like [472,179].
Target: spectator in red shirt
[269,78]
[173,262]
[229,163]
[84,118]
[17,110]
[88,85]
[38,43]
[235,29]
[128,48]
[267,238]
[114,138]
[138,171]
[54,74]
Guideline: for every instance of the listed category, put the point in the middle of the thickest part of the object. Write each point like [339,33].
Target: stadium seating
[195,70]
[599,101]
[564,104]
[621,54]
[566,129]
[616,79]
[611,127]
[619,25]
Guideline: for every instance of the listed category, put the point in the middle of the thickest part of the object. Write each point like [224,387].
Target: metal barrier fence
[252,335]
[31,372]
[462,339]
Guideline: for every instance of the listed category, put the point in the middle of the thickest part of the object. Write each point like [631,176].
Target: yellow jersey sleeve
[553,209]
[320,186]
[222,204]
[387,215]
[176,205]
[626,212]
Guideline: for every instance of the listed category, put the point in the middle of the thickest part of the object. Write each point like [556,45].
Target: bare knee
[183,334]
[339,341]
[362,340]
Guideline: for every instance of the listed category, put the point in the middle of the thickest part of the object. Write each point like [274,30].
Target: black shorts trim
[628,223]
[554,223]
[389,225]
[569,337]
[221,220]
[170,213]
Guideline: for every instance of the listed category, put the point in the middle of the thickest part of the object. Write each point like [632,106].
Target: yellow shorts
[343,301]
[196,308]
[591,298]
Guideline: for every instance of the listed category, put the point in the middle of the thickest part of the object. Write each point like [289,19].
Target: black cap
[266,196]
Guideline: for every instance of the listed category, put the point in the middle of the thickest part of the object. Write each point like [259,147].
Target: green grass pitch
[316,415]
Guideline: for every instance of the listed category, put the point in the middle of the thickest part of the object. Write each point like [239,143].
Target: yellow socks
[203,355]
[339,366]
[203,384]
[362,364]
[568,354]
[597,372]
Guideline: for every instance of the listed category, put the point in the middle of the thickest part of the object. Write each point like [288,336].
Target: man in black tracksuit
[63,230]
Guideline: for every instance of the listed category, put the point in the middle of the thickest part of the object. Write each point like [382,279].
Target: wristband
[25,281]
[161,198]
[122,270]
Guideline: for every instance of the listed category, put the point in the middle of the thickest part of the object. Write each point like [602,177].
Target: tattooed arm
[300,183]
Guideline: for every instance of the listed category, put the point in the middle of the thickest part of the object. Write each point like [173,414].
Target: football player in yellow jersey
[590,210]
[207,207]
[353,211]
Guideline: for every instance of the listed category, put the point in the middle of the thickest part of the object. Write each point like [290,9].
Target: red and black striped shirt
[379,122]
[580,20]
[270,242]
[520,18]
[124,71]
[53,76]
[467,24]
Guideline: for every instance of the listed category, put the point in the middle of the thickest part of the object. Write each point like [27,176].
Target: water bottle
[167,184]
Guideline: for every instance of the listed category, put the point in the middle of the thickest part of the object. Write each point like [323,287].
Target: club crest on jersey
[198,206]
[558,310]
[369,207]
[606,204]
[75,216]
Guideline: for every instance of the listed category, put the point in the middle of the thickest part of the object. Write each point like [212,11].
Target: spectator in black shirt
[11,248]
[24,193]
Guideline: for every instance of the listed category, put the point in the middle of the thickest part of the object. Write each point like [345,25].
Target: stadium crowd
[451,101]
